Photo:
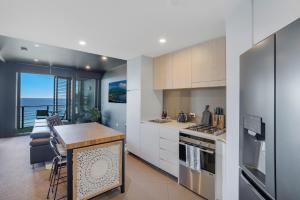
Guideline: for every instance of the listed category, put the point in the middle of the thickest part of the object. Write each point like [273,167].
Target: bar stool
[58,163]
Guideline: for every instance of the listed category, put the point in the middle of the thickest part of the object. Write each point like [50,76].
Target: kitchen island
[95,159]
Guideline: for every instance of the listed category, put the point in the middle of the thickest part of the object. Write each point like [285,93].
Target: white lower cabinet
[133,125]
[169,146]
[149,143]
[220,169]
[159,146]
[169,150]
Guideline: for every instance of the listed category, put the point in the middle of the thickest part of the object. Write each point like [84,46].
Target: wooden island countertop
[82,135]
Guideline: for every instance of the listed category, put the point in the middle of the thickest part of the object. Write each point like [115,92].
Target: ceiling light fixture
[87,67]
[36,60]
[162,40]
[82,42]
[36,45]
[104,58]
[23,48]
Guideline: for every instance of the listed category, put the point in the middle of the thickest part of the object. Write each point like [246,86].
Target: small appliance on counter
[182,117]
[185,117]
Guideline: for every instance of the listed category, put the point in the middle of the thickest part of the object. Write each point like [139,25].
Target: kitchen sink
[161,121]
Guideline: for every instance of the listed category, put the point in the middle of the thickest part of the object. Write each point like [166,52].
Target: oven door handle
[184,144]
[207,151]
[203,150]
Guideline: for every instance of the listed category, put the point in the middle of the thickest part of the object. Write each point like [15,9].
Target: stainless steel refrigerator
[270,117]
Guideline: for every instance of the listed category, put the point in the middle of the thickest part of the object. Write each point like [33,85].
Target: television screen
[117,92]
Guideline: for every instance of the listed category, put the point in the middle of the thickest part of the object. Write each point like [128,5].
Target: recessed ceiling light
[23,48]
[82,42]
[162,40]
[88,67]
[104,58]
[36,60]
[36,45]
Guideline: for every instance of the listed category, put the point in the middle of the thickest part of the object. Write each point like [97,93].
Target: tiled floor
[19,181]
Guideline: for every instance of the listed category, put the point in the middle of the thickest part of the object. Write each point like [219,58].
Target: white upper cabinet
[163,78]
[201,62]
[209,64]
[203,65]
[182,69]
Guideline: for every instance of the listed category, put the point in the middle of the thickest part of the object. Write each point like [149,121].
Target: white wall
[251,21]
[113,114]
[238,40]
[272,15]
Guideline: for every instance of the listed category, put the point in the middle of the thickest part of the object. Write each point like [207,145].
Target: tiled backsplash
[194,100]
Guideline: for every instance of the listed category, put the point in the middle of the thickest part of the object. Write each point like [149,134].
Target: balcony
[27,115]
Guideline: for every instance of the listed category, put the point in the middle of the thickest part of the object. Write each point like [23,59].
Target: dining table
[95,159]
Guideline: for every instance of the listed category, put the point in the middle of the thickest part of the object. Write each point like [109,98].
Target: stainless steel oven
[197,165]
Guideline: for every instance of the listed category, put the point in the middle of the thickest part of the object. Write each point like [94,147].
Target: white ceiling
[117,28]
[10,51]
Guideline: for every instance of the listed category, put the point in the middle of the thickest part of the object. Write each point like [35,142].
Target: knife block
[215,120]
[221,122]
[218,121]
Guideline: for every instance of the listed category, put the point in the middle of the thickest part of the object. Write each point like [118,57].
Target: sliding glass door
[71,99]
[41,96]
[62,97]
[85,99]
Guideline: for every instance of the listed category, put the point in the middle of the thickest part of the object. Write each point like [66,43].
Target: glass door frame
[68,96]
[97,93]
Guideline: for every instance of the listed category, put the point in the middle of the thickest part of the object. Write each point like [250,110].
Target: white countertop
[181,126]
[175,124]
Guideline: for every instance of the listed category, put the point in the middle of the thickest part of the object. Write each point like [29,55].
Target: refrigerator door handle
[252,188]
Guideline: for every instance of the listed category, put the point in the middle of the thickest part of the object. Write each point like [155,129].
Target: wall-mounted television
[117,92]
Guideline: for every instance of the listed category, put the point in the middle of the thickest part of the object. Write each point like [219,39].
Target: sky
[36,86]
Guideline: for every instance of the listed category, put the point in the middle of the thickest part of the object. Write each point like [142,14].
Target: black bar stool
[58,163]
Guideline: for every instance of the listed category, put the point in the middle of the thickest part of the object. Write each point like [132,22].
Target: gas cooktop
[206,129]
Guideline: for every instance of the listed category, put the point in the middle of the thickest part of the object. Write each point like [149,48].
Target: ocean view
[31,105]
[36,101]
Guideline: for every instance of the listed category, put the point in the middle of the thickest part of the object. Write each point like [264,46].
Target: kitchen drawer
[169,156]
[169,167]
[169,134]
[169,145]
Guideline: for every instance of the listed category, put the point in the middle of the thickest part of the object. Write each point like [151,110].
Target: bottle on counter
[164,114]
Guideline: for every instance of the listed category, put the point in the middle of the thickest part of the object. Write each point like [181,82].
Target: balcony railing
[27,114]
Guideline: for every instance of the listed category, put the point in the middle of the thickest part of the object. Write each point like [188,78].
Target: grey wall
[194,100]
[8,89]
[113,114]
[7,100]
[214,97]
